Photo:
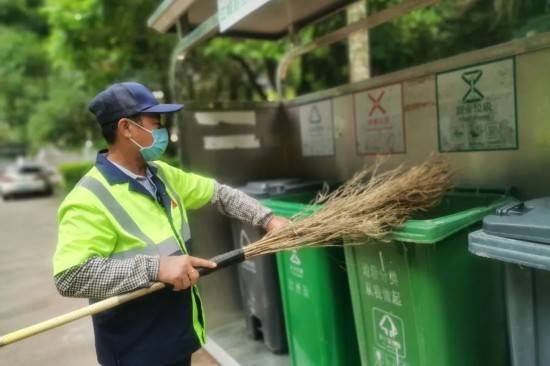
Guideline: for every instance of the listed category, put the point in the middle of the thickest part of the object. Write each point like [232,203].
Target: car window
[30,170]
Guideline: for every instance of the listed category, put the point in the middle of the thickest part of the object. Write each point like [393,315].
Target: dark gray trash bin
[519,235]
[258,277]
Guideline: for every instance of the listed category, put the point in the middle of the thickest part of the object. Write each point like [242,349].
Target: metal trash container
[316,300]
[258,280]
[519,236]
[422,299]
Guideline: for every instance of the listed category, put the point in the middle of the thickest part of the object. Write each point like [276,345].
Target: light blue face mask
[159,145]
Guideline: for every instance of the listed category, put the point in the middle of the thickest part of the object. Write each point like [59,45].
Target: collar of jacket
[114,175]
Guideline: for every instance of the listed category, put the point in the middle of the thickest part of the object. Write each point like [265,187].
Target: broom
[358,210]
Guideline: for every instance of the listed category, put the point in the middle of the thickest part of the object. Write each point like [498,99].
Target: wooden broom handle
[223,260]
[92,309]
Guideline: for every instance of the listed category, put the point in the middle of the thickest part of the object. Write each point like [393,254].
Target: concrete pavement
[27,294]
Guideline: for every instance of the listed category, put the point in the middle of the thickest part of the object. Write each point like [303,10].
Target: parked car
[25,178]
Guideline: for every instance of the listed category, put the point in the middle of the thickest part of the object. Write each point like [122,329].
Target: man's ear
[123,127]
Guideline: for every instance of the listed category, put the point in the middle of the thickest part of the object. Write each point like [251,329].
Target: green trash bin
[316,299]
[422,299]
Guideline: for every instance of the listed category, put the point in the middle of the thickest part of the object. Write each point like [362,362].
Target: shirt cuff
[267,218]
[152,264]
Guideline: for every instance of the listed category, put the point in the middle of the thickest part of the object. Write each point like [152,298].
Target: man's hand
[276,222]
[179,271]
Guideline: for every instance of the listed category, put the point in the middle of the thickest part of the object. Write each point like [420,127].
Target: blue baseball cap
[127,99]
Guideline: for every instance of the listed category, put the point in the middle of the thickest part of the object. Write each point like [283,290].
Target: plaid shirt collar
[114,174]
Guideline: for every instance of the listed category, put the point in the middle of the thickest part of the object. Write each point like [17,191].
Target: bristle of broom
[369,205]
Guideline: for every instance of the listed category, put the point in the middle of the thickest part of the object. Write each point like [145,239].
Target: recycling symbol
[244,240]
[295,259]
[315,116]
[388,326]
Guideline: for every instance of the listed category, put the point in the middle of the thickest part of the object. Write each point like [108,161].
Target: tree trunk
[358,44]
[251,76]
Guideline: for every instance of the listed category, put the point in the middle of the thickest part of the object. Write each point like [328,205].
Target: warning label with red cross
[378,117]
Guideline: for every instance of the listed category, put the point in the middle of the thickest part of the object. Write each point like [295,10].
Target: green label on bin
[296,283]
[317,307]
[389,332]
[385,298]
[429,304]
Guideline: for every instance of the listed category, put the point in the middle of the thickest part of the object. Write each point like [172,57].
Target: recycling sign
[316,129]
[244,241]
[296,268]
[389,332]
[476,107]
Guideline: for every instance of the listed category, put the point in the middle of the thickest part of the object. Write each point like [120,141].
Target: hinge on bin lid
[512,208]
[291,187]
[276,190]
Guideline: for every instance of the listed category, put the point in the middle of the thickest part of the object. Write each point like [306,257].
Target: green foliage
[22,77]
[55,55]
[61,118]
[72,172]
[334,59]
[237,69]
[225,69]
[23,14]
[448,29]
[536,25]
[107,41]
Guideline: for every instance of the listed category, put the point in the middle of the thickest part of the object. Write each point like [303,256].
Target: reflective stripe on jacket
[110,215]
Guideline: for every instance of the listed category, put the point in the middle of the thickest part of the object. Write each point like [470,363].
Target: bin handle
[512,208]
[509,191]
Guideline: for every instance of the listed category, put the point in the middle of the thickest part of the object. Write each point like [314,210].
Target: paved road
[27,294]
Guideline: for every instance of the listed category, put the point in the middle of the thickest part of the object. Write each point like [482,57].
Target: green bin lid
[458,210]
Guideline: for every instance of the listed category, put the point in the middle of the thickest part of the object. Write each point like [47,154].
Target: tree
[236,69]
[23,14]
[62,118]
[22,78]
[55,55]
[225,69]
[445,30]
[107,41]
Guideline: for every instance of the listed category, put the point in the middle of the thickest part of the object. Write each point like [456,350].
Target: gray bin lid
[529,221]
[508,250]
[277,187]
[518,233]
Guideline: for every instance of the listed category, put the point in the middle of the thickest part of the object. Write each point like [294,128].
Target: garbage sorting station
[424,298]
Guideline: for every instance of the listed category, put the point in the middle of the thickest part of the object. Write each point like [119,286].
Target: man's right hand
[179,271]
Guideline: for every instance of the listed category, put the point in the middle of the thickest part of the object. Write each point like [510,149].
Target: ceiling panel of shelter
[201,10]
[272,19]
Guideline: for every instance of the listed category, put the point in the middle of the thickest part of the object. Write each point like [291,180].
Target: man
[124,226]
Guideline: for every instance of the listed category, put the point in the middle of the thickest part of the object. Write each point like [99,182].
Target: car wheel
[6,197]
[49,191]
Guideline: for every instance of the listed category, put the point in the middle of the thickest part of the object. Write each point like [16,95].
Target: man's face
[149,121]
